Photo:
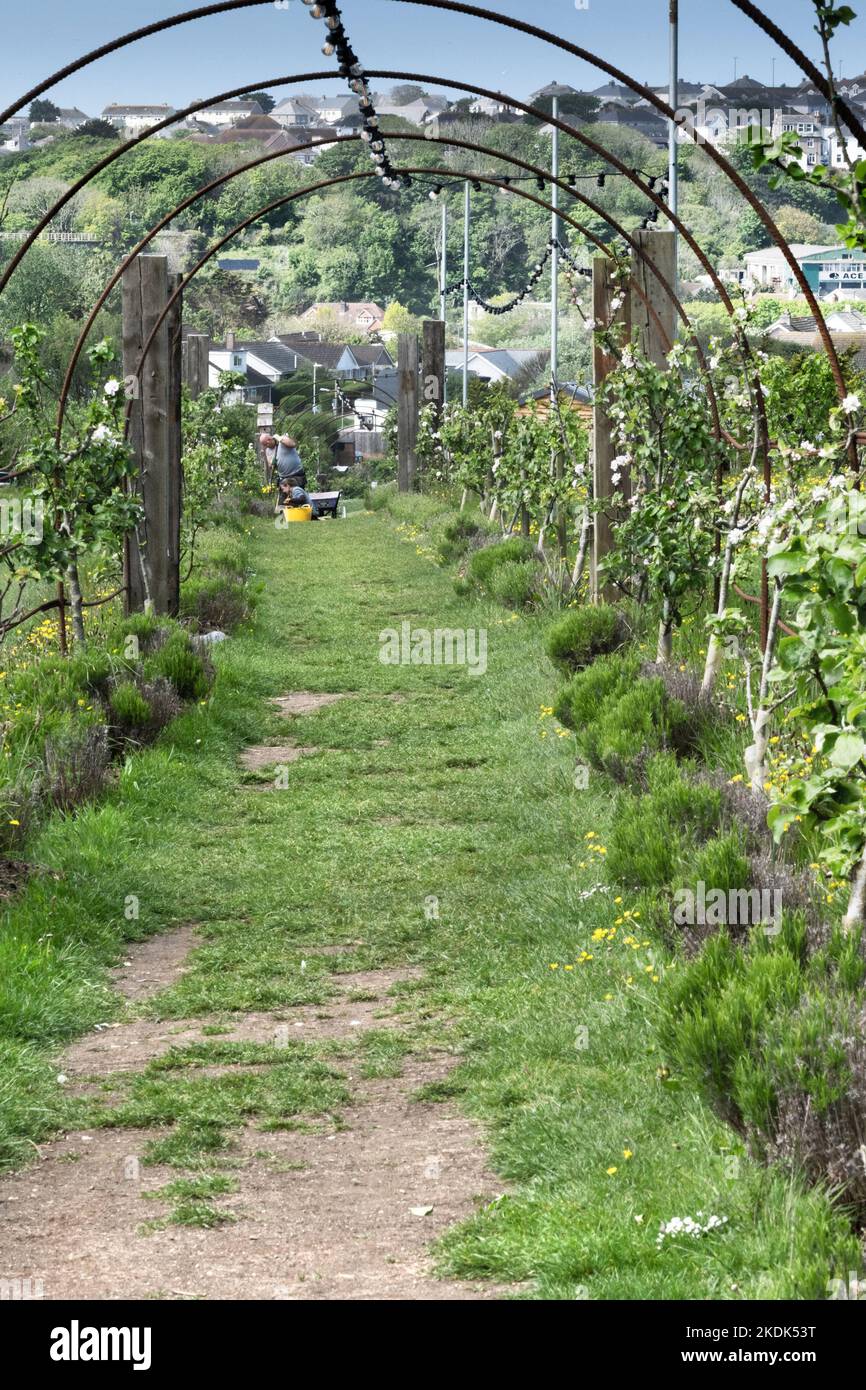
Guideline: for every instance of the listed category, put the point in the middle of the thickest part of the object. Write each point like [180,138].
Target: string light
[337,42]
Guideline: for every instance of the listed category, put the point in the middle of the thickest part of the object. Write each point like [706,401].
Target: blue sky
[270,40]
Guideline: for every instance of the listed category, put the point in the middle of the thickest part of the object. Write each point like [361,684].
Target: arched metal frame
[339,179]
[535,170]
[533,31]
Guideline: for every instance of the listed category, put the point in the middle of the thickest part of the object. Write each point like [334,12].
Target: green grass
[451,793]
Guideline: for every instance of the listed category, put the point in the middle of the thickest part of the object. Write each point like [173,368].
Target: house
[17,135]
[132,120]
[768,269]
[249,128]
[826,269]
[300,111]
[809,134]
[331,110]
[415,112]
[790,327]
[491,107]
[226,113]
[497,364]
[642,119]
[71,118]
[360,317]
[233,263]
[348,361]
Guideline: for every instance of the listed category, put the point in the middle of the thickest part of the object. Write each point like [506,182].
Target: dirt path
[347,1211]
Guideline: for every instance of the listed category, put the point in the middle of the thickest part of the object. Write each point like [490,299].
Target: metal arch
[567,129]
[802,60]
[401,135]
[520,26]
[348,178]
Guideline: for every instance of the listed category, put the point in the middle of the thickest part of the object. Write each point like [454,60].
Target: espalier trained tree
[77,491]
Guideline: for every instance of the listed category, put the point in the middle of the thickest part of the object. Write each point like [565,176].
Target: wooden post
[151,561]
[660,249]
[433,365]
[196,363]
[407,410]
[603,289]
[174,475]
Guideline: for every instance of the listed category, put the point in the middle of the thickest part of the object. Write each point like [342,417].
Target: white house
[135,119]
[226,113]
[768,269]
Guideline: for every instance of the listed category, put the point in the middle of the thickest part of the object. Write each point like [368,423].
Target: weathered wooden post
[433,365]
[660,249]
[407,410]
[152,556]
[603,452]
[196,363]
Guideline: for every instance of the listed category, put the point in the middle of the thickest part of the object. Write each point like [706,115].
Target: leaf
[847,751]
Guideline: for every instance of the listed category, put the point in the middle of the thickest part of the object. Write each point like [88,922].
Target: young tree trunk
[76,604]
[583,547]
[755,756]
[664,650]
[714,650]
[857,901]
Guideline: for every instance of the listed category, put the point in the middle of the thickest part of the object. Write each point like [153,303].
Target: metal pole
[466,296]
[443,298]
[554,260]
[674,102]
[315,393]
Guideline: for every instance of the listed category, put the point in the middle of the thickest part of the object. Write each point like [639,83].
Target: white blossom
[112,386]
[851,404]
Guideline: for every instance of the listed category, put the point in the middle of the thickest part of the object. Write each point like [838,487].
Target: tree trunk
[857,901]
[76,604]
[664,651]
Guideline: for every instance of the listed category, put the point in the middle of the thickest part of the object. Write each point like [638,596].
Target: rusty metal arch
[398,135]
[519,26]
[329,183]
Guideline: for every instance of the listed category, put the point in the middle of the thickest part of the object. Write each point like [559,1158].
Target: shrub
[514,584]
[652,836]
[582,634]
[184,668]
[128,707]
[458,535]
[621,721]
[376,498]
[776,1036]
[215,603]
[138,712]
[76,767]
[515,550]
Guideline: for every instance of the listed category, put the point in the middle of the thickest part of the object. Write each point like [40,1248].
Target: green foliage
[582,634]
[484,563]
[128,706]
[654,836]
[179,663]
[514,584]
[621,719]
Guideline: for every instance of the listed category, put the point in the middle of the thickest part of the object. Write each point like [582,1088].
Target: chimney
[230,342]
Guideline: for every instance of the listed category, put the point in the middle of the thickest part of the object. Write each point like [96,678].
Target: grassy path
[428,783]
